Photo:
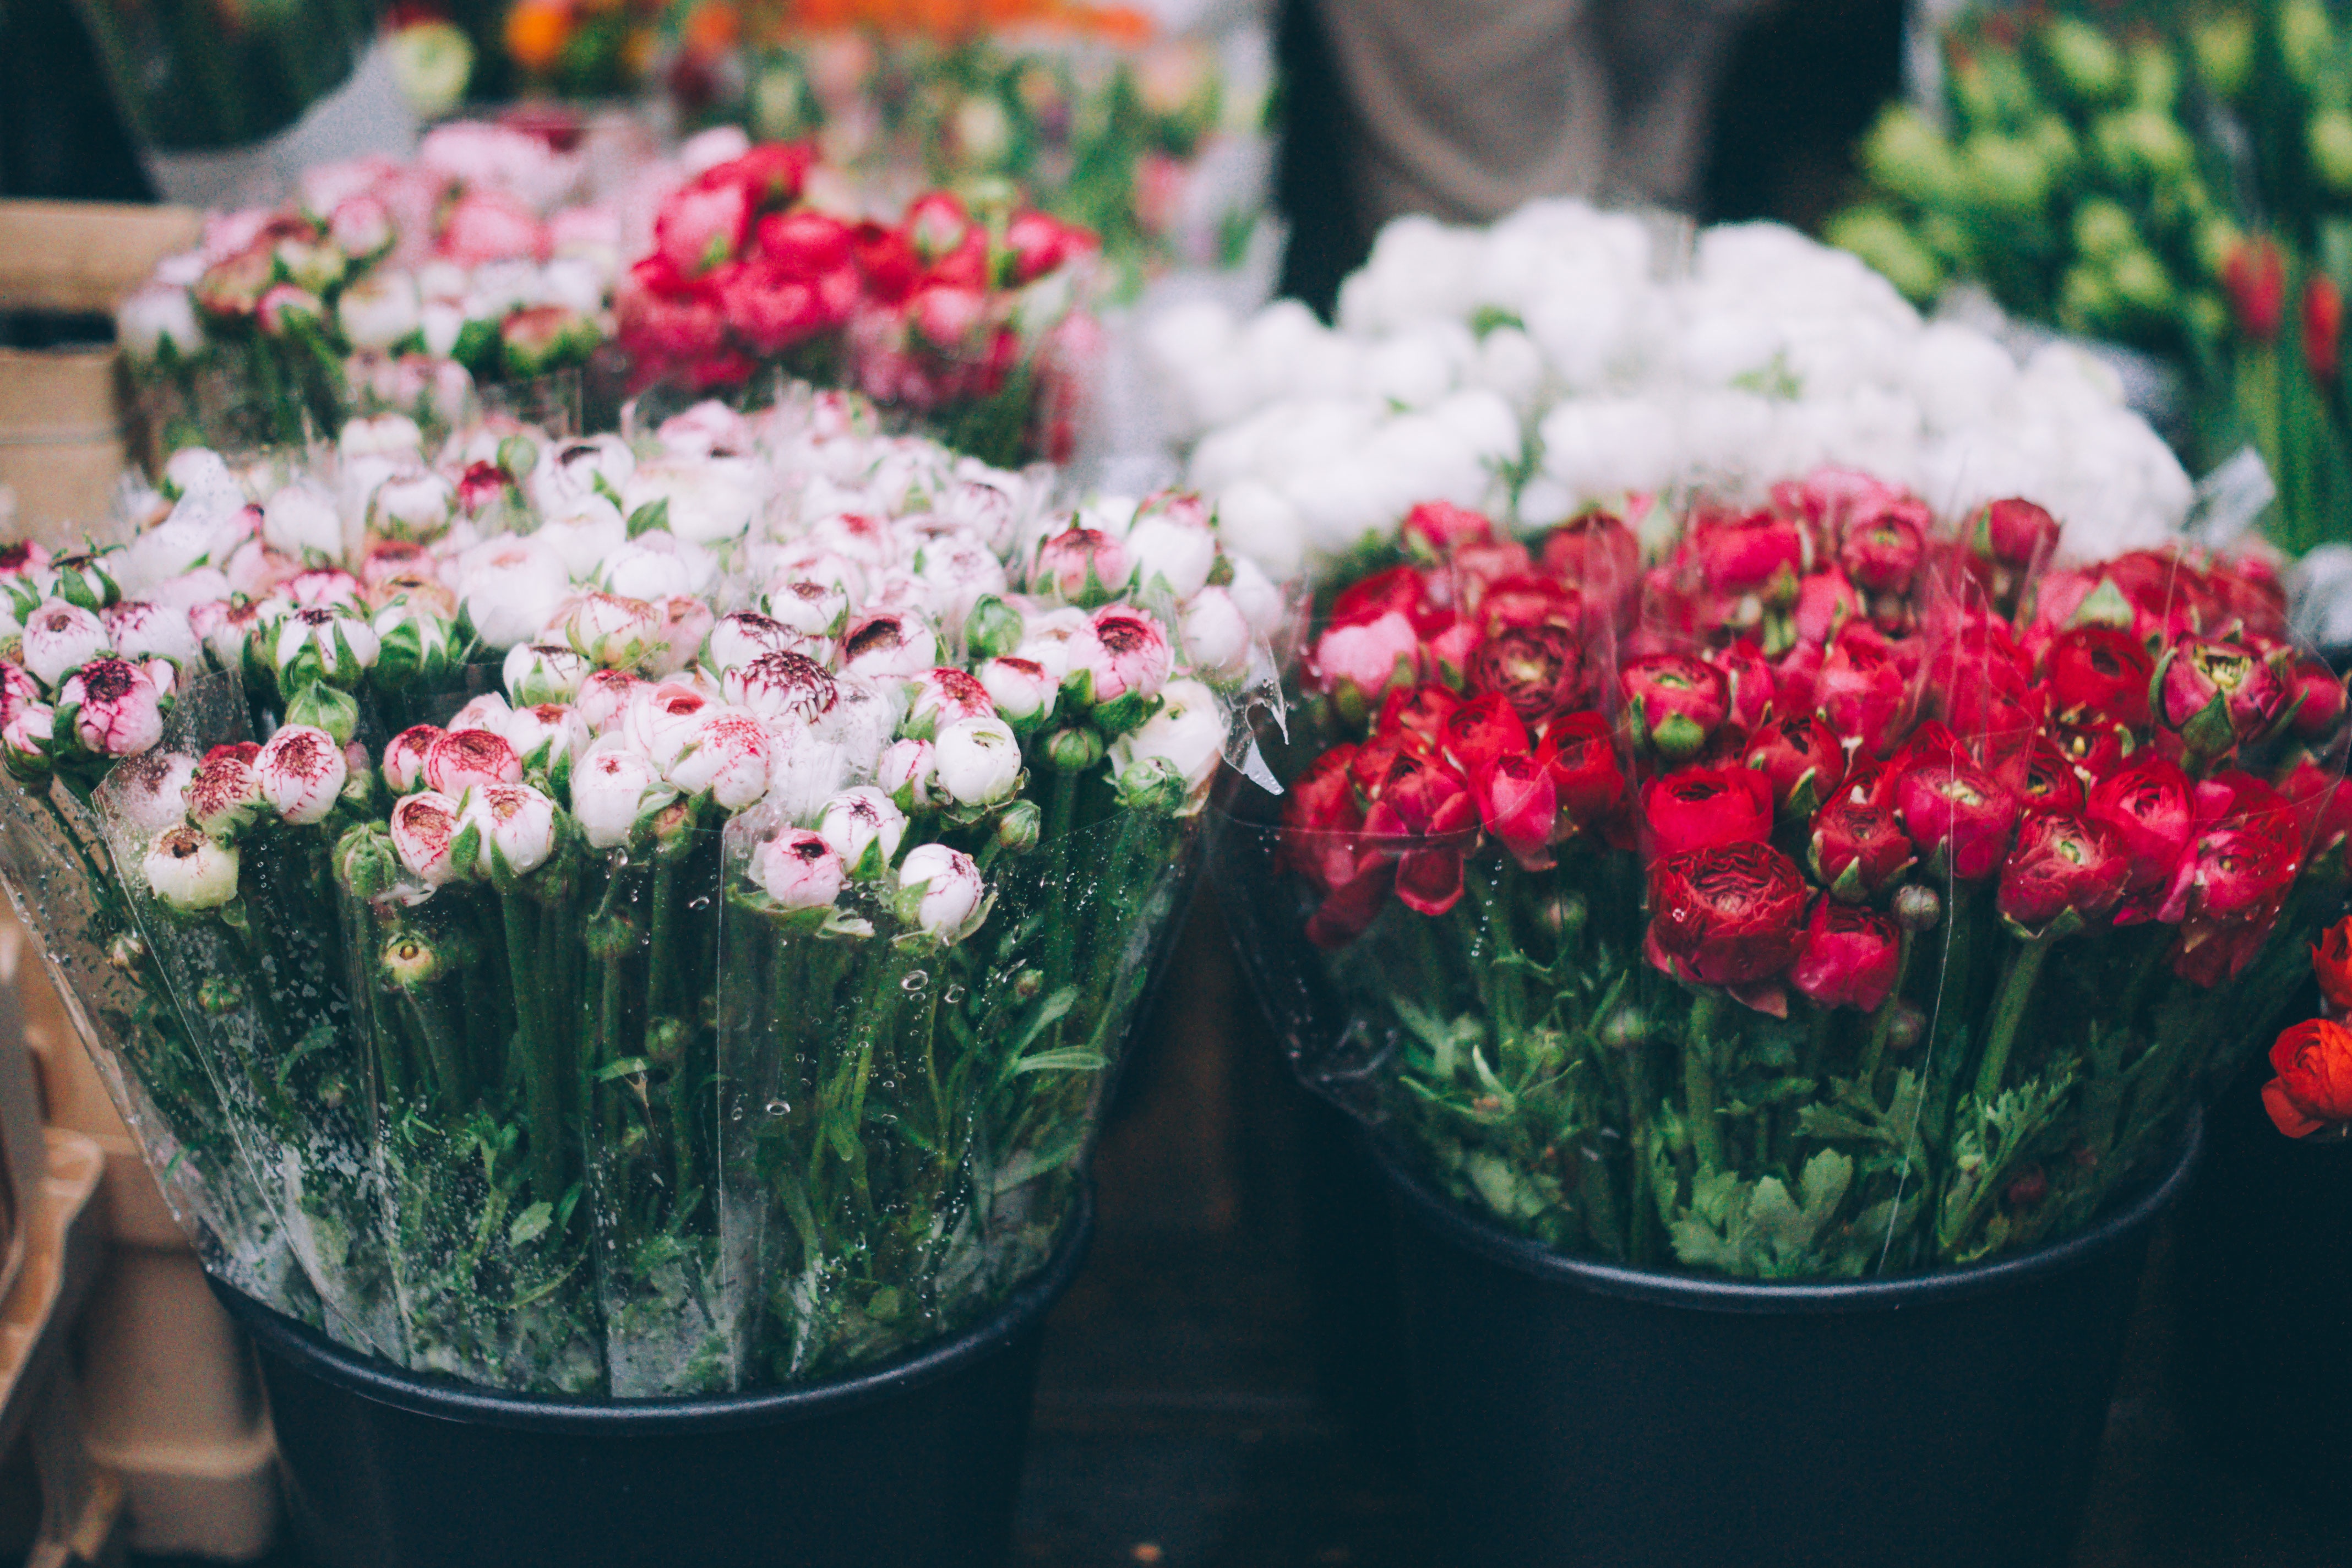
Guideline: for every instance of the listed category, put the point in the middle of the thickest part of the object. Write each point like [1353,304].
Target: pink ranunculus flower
[463,759]
[487,225]
[611,788]
[1133,654]
[404,757]
[1082,563]
[1022,689]
[941,892]
[424,829]
[1367,659]
[59,638]
[302,772]
[940,697]
[862,822]
[888,643]
[517,828]
[726,757]
[119,712]
[798,869]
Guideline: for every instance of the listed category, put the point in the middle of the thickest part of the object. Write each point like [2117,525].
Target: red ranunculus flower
[2152,807]
[2233,872]
[1825,601]
[2097,673]
[2331,964]
[1758,552]
[1595,551]
[1362,661]
[2254,275]
[1423,821]
[1436,527]
[1883,554]
[1850,957]
[1861,688]
[1747,681]
[1320,816]
[1538,670]
[2323,802]
[1518,802]
[1858,845]
[1699,808]
[1961,812]
[1416,717]
[1730,916]
[2060,864]
[2217,694]
[2014,533]
[2041,776]
[1678,702]
[1801,761]
[1524,601]
[1580,753]
[2314,1087]
[1482,730]
[2318,694]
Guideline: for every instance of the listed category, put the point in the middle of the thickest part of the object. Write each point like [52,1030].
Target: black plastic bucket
[2262,1271]
[917,1462]
[1575,1413]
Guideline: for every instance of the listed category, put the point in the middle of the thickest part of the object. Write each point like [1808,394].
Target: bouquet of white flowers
[642,914]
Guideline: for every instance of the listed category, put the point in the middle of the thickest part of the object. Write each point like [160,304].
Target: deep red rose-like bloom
[2322,327]
[1524,601]
[1751,552]
[2234,872]
[1699,808]
[2217,694]
[1796,676]
[1580,753]
[888,262]
[1595,552]
[1961,812]
[1933,742]
[2152,808]
[1416,717]
[1423,820]
[1730,916]
[1747,681]
[1434,528]
[2013,533]
[1482,730]
[1850,957]
[2212,955]
[2062,863]
[2100,674]
[2331,964]
[805,243]
[2320,692]
[1538,670]
[1801,759]
[1825,601]
[2041,776]
[2314,1087]
[1861,688]
[1473,568]
[1858,845]
[1320,816]
[1518,802]
[2323,803]
[1401,589]
[1883,554]
[1679,701]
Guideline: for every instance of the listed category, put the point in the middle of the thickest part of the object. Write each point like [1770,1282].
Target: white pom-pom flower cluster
[1566,358]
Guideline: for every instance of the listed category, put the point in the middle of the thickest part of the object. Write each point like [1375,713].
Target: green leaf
[653,515]
[627,1067]
[1072,1060]
[531,1224]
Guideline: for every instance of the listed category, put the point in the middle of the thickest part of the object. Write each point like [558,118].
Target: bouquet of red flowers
[965,318]
[1836,892]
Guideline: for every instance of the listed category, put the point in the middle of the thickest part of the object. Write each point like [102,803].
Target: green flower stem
[1882,1021]
[2023,968]
[446,1050]
[1698,1079]
[541,1089]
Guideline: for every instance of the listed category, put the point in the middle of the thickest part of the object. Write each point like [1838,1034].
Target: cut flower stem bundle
[1838,892]
[558,988]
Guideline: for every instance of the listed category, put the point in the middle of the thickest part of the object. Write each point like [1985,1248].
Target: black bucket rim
[428,1395]
[1704,1293]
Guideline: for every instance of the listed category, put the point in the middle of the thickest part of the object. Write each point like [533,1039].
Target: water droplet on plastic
[916,980]
[953,994]
[700,903]
[777,1107]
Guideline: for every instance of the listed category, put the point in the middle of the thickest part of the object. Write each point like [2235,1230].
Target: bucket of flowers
[621,966]
[1777,952]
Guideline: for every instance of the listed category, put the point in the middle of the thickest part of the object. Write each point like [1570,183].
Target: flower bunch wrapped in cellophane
[971,320]
[489,259]
[1831,889]
[662,917]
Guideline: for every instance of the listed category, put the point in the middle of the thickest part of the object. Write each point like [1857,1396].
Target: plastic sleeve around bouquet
[192,74]
[1883,985]
[58,868]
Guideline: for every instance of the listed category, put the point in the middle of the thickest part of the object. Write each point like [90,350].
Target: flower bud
[59,638]
[365,861]
[25,740]
[425,827]
[462,759]
[1152,785]
[517,828]
[977,761]
[941,892]
[86,579]
[611,787]
[327,708]
[1904,1026]
[1018,825]
[117,710]
[1022,690]
[301,772]
[1917,907]
[726,757]
[415,645]
[1074,750]
[865,828]
[189,870]
[905,774]
[992,629]
[1626,1029]
[537,673]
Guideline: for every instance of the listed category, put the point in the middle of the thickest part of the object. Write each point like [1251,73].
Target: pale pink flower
[226,793]
[301,770]
[140,630]
[940,697]
[977,762]
[543,731]
[1134,655]
[25,740]
[59,638]
[1367,657]
[604,698]
[888,643]
[615,632]
[424,826]
[726,757]
[781,688]
[611,788]
[403,756]
[1022,689]
[190,871]
[798,869]
[1081,564]
[18,690]
[544,672]
[151,791]
[465,758]
[686,622]
[516,825]
[862,821]
[1216,636]
[737,639]
[904,771]
[817,610]
[660,721]
[119,712]
[941,892]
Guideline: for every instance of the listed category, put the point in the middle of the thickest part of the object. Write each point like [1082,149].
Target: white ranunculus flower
[1172,550]
[865,827]
[381,436]
[190,871]
[1189,732]
[512,586]
[301,519]
[379,311]
[155,317]
[941,893]
[612,786]
[707,500]
[977,761]
[1215,635]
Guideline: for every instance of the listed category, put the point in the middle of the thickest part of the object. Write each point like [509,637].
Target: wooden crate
[61,426]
